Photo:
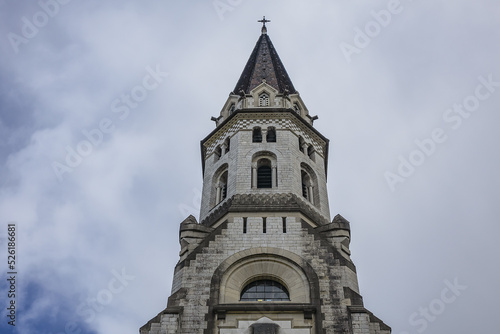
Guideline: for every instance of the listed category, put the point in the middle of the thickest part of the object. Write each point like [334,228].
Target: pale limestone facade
[265,217]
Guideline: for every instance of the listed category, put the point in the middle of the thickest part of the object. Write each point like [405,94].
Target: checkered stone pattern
[284,122]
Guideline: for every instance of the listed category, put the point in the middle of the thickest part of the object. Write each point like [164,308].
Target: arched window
[218,153]
[257,135]
[301,144]
[271,135]
[223,186]
[219,185]
[311,153]
[264,170]
[264,290]
[264,100]
[264,174]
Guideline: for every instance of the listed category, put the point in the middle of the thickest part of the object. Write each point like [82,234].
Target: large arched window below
[264,290]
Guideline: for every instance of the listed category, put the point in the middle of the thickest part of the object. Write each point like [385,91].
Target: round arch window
[264,290]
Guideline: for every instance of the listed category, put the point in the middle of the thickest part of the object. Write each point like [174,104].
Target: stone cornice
[287,202]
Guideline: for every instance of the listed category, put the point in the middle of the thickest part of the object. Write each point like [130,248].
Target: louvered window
[257,135]
[264,177]
[263,100]
[304,189]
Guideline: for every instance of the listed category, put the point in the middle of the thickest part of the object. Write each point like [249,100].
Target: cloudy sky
[103,105]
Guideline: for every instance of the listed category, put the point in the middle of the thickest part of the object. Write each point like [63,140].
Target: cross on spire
[264,21]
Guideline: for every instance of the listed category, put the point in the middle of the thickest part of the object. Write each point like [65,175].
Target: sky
[103,105]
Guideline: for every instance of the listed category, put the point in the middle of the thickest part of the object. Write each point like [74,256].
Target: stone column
[217,196]
[254,176]
[274,177]
[310,193]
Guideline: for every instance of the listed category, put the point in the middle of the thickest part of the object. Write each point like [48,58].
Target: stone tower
[265,257]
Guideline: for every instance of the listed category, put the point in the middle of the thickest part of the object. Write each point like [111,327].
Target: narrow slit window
[228,144]
[284,224]
[244,224]
[264,225]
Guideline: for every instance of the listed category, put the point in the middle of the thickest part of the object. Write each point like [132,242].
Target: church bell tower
[265,256]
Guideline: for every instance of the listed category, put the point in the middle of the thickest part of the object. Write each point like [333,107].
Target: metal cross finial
[264,21]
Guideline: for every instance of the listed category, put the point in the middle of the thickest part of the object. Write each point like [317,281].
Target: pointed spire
[264,65]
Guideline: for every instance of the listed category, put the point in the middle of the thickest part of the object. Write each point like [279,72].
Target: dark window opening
[310,152]
[271,135]
[304,190]
[222,188]
[264,225]
[284,224]
[218,153]
[228,144]
[264,290]
[257,135]
[264,177]
[301,144]
[244,225]
[224,191]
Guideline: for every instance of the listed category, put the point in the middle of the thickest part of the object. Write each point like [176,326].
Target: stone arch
[227,267]
[232,265]
[264,160]
[264,266]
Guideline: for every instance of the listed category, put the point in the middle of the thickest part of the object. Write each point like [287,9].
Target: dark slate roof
[264,63]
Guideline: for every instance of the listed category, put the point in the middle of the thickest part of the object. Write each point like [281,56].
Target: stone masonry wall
[197,274]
